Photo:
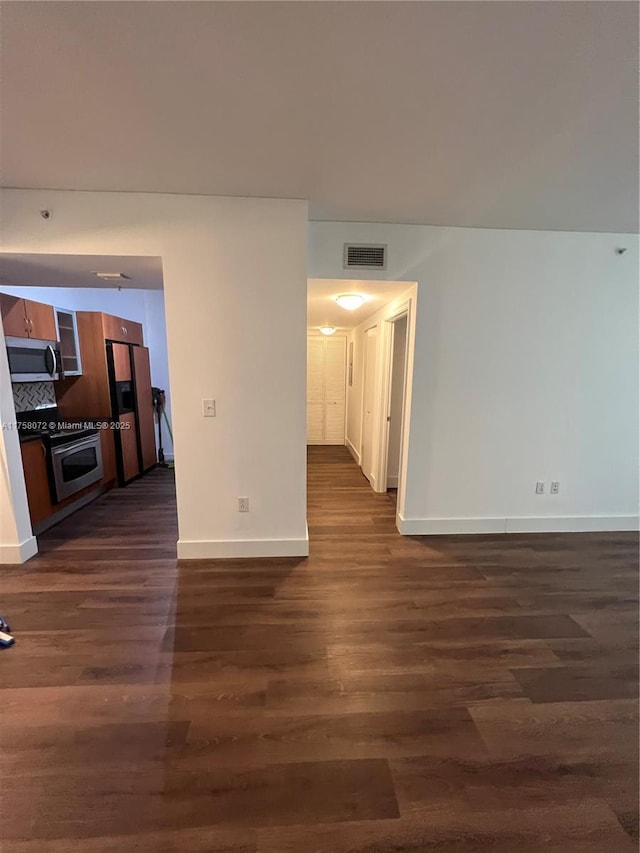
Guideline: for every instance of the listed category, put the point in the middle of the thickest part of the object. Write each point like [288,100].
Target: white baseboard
[573,524]
[392,482]
[449,526]
[216,549]
[533,524]
[323,443]
[15,554]
[352,450]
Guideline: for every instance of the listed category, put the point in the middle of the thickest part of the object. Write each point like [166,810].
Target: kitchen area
[85,406]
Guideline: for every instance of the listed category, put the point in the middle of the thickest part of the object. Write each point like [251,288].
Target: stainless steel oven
[33,360]
[75,463]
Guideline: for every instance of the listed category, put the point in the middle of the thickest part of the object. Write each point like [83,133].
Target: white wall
[234,271]
[141,306]
[526,369]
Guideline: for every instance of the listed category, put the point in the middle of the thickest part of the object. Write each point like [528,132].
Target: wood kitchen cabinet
[129,444]
[108,448]
[144,406]
[121,362]
[69,343]
[36,479]
[89,396]
[125,331]
[14,320]
[23,318]
[107,364]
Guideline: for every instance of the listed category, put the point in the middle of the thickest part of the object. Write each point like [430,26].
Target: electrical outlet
[243,504]
[540,487]
[208,408]
[555,487]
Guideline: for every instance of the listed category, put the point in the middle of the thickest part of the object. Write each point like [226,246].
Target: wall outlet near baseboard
[243,504]
[555,487]
[540,487]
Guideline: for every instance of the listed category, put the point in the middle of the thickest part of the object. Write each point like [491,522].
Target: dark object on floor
[6,640]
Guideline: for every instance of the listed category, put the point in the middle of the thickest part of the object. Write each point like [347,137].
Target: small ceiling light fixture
[350,301]
[328,330]
[111,276]
[118,278]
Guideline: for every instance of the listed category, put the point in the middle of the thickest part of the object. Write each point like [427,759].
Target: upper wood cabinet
[42,320]
[14,319]
[69,342]
[125,331]
[89,396]
[22,318]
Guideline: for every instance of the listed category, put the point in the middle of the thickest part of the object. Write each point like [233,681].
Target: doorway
[359,380]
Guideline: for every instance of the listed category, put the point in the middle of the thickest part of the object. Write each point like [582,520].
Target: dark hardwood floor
[388,694]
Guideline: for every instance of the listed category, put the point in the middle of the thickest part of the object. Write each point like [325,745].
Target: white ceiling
[322,309]
[79,271]
[493,114]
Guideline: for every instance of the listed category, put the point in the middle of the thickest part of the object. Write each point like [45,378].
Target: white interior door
[315,390]
[334,389]
[368,401]
[326,389]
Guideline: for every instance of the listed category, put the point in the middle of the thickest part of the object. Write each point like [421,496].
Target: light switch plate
[208,408]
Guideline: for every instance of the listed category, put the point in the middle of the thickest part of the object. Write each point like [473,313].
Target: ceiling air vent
[363,256]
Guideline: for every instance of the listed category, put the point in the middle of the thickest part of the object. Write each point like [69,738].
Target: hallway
[387,694]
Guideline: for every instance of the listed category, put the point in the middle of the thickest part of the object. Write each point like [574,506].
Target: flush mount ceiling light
[328,330]
[111,276]
[350,301]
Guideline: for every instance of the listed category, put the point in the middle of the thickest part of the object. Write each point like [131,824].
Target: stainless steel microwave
[32,360]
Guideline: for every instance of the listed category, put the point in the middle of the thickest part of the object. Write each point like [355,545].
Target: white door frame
[366,367]
[387,377]
[383,396]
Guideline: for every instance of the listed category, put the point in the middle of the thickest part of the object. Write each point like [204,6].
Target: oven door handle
[72,448]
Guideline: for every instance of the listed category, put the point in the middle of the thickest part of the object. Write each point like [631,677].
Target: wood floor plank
[387,694]
[247,796]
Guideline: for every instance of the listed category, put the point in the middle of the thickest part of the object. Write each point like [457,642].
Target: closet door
[315,390]
[326,389]
[335,362]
